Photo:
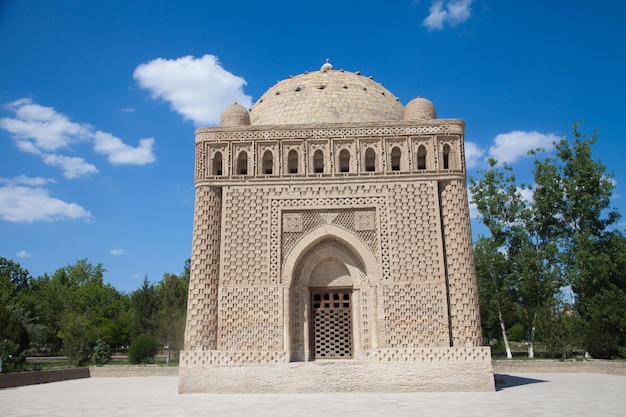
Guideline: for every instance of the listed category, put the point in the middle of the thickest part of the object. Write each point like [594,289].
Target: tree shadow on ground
[504,381]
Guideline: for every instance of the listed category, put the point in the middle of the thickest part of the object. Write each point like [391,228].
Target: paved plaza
[529,394]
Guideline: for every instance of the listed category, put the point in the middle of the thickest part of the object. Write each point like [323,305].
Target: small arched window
[242,163]
[370,160]
[318,162]
[395,158]
[292,162]
[344,160]
[268,163]
[446,156]
[217,163]
[421,157]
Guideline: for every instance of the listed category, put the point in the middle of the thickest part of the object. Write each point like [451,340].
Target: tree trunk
[504,336]
[531,342]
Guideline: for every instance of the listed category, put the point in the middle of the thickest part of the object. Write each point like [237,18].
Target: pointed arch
[217,163]
[421,157]
[370,160]
[268,162]
[242,163]
[344,160]
[318,161]
[396,155]
[362,256]
[446,156]
[292,162]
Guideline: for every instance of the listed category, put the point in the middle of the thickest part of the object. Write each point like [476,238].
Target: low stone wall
[132,371]
[18,379]
[548,366]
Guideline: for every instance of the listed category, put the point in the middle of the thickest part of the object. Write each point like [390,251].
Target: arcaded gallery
[332,248]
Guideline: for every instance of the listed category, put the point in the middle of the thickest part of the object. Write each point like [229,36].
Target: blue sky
[99,101]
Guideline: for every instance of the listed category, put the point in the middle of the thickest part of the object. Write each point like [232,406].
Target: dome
[326,96]
[235,115]
[419,109]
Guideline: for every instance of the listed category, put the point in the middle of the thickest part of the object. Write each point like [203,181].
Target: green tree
[580,190]
[14,342]
[89,308]
[495,291]
[172,296]
[145,307]
[501,208]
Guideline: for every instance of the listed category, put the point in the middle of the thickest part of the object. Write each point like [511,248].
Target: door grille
[332,318]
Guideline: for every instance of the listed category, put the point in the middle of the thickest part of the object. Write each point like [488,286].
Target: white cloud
[118,152]
[197,88]
[24,254]
[450,12]
[509,147]
[473,154]
[42,131]
[43,127]
[20,203]
[473,209]
[24,180]
[118,251]
[527,195]
[72,166]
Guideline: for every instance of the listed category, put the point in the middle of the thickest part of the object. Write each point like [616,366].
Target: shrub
[102,353]
[142,350]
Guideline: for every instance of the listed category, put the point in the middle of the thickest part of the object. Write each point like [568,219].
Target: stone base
[411,370]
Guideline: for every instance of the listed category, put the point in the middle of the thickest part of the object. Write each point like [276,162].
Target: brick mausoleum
[332,248]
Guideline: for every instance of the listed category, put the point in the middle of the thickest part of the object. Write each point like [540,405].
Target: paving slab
[531,394]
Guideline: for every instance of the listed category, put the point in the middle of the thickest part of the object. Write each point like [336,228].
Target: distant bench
[18,379]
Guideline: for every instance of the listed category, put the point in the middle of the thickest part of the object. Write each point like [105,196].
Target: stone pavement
[529,394]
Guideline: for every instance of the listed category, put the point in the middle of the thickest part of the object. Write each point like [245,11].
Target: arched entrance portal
[327,278]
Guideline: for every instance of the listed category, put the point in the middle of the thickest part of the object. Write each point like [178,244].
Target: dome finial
[327,66]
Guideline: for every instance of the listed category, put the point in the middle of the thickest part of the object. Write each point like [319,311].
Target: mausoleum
[332,248]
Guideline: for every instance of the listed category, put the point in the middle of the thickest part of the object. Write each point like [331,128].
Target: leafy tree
[13,280]
[14,342]
[172,296]
[501,207]
[561,329]
[77,338]
[579,190]
[145,306]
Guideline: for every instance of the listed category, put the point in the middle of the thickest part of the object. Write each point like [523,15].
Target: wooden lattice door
[332,323]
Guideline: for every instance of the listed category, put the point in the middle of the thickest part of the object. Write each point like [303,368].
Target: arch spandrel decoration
[334,242]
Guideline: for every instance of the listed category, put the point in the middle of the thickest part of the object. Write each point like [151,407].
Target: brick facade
[376,208]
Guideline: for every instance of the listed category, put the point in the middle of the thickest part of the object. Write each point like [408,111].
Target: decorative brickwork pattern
[463,293]
[425,355]
[212,358]
[250,318]
[332,328]
[246,234]
[414,316]
[201,328]
[335,246]
[350,219]
[415,227]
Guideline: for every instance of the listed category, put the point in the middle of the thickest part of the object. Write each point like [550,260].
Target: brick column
[201,328]
[461,272]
